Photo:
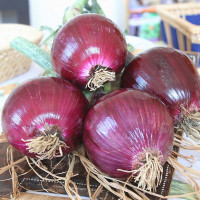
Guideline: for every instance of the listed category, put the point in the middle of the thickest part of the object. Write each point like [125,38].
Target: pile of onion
[129,133]
[172,77]
[88,51]
[44,117]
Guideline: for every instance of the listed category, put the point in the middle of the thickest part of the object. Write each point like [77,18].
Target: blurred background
[138,17]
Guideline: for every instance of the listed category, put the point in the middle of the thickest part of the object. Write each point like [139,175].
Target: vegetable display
[88,51]
[44,116]
[129,132]
[171,76]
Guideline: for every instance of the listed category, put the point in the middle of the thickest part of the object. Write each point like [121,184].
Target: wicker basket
[13,63]
[181,25]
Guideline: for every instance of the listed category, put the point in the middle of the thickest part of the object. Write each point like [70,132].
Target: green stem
[34,52]
[74,10]
[96,8]
[80,4]
[107,87]
[50,37]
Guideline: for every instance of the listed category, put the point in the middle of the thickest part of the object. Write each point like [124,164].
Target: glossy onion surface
[41,101]
[121,125]
[85,42]
[167,73]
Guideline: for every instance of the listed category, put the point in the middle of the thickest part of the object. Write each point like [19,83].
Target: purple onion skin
[44,100]
[167,73]
[121,125]
[84,42]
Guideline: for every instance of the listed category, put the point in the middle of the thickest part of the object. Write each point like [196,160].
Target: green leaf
[178,188]
[34,52]
[95,8]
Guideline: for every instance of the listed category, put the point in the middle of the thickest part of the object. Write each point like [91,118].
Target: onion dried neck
[46,146]
[99,77]
[190,124]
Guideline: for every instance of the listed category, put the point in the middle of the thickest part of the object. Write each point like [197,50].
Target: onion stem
[34,52]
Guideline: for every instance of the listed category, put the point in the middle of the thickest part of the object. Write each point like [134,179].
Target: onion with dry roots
[171,76]
[129,133]
[88,51]
[43,117]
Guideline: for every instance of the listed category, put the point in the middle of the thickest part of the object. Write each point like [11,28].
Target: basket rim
[188,5]
[177,22]
[35,33]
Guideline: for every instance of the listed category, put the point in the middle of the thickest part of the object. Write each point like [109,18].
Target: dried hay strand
[184,143]
[183,171]
[68,176]
[9,166]
[121,189]
[14,176]
[3,138]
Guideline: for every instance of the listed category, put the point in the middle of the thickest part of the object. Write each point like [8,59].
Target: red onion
[126,129]
[170,75]
[43,111]
[88,51]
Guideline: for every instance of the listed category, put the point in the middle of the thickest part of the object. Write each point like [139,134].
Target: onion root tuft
[99,77]
[47,146]
[149,175]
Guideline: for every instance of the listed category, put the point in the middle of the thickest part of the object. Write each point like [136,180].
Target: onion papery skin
[85,42]
[167,73]
[41,101]
[121,125]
